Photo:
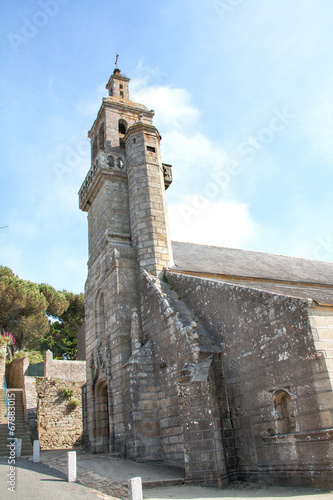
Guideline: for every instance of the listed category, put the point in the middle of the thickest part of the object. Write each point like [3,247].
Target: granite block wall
[268,348]
[65,370]
[59,413]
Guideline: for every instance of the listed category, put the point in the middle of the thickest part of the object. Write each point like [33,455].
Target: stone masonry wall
[321,319]
[59,417]
[140,398]
[30,405]
[63,369]
[268,346]
[111,282]
[147,198]
[187,437]
[81,343]
[15,372]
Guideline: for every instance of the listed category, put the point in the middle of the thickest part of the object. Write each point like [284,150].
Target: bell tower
[124,196]
[125,151]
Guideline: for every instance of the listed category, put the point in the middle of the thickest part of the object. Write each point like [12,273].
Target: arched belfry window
[122,126]
[101,137]
[99,315]
[285,418]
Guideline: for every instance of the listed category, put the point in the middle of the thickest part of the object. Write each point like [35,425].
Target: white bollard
[36,452]
[71,466]
[135,488]
[18,447]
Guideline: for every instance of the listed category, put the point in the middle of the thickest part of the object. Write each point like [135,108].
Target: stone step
[18,411]
[25,446]
[17,426]
[19,422]
[20,427]
[20,433]
[162,483]
[24,452]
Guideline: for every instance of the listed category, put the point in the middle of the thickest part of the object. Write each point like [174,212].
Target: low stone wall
[59,417]
[15,372]
[64,370]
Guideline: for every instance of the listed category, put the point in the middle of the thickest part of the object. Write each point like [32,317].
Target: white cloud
[201,208]
[212,223]
[173,107]
[195,158]
[194,150]
[318,124]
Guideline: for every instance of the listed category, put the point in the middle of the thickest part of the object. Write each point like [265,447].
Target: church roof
[190,257]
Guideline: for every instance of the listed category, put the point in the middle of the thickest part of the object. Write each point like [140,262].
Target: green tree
[25,307]
[61,338]
[57,302]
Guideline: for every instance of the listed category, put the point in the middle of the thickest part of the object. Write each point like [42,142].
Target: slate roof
[191,257]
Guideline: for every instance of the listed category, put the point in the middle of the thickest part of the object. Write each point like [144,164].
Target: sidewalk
[109,476]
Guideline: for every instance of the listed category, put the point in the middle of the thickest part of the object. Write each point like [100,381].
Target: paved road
[37,481]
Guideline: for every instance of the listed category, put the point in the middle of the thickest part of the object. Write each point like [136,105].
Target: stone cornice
[94,181]
[117,77]
[140,125]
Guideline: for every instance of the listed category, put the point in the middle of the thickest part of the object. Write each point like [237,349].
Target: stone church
[215,360]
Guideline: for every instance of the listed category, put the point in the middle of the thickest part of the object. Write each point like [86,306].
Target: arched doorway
[102,417]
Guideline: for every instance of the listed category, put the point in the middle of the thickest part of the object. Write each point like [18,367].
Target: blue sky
[243,95]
